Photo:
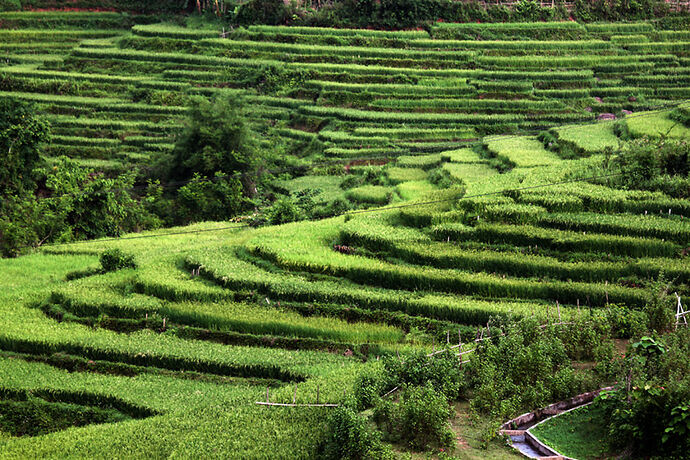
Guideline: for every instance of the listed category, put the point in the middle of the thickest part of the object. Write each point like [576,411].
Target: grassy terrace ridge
[437,180]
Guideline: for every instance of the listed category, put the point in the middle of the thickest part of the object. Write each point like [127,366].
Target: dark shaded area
[24,413]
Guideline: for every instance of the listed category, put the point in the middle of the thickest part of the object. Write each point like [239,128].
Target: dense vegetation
[475,220]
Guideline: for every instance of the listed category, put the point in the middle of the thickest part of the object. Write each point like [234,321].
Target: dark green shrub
[21,134]
[333,208]
[271,12]
[520,371]
[441,371]
[647,413]
[420,419]
[658,308]
[10,5]
[204,199]
[350,437]
[283,210]
[116,259]
[369,387]
[527,10]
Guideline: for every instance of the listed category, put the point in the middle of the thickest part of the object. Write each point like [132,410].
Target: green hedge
[135,6]
[65,20]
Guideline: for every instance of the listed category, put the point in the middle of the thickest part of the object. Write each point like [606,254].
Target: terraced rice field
[128,88]
[189,341]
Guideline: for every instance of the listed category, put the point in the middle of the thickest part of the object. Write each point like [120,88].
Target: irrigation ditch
[519,428]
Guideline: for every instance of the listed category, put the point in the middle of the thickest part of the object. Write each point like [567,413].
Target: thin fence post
[547,314]
[559,311]
[294,395]
[448,337]
[267,395]
[607,292]
[459,339]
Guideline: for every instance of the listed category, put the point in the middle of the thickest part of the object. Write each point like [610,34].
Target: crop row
[520,151]
[307,253]
[556,240]
[235,274]
[80,299]
[286,48]
[59,36]
[598,63]
[442,255]
[534,30]
[417,133]
[339,32]
[70,19]
[620,224]
[587,197]
[434,118]
[101,124]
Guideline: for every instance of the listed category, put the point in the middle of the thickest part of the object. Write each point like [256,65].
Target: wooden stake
[459,339]
[294,395]
[448,337]
[547,314]
[607,292]
[267,395]
[559,311]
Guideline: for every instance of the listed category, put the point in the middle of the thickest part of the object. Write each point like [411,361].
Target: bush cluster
[116,259]
[647,414]
[10,5]
[400,14]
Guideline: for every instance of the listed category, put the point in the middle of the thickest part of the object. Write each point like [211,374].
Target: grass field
[576,434]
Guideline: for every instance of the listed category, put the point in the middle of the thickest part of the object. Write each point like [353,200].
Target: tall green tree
[217,139]
[218,152]
[21,133]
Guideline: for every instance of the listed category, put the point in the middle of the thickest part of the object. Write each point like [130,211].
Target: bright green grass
[592,138]
[470,172]
[326,188]
[656,124]
[524,152]
[198,418]
[370,194]
[398,175]
[463,155]
[577,434]
[414,190]
[104,294]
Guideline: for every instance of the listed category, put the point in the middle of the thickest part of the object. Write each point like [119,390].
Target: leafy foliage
[21,134]
[522,370]
[351,438]
[115,259]
[420,419]
[217,138]
[647,412]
